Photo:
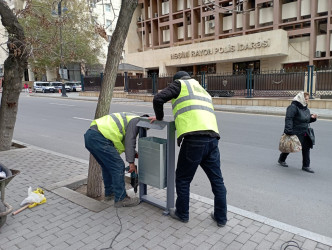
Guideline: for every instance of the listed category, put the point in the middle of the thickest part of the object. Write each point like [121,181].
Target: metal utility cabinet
[156,162]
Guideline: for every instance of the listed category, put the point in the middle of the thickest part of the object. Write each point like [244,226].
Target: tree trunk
[115,48]
[14,66]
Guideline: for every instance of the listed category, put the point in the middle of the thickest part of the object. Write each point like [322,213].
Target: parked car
[43,87]
[74,86]
[58,86]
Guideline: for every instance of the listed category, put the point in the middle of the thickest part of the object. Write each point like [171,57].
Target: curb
[223,108]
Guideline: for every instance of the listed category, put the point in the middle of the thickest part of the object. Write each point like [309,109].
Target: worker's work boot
[109,197]
[127,202]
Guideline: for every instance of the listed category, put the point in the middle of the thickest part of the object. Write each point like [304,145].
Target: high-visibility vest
[193,109]
[113,127]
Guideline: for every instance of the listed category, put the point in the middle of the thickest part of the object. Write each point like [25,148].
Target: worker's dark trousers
[203,151]
[111,163]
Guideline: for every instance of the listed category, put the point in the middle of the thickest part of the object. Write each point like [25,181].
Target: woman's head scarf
[300,98]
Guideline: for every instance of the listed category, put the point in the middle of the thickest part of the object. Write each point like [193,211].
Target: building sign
[221,50]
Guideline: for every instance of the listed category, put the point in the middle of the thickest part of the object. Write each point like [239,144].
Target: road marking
[79,118]
[59,104]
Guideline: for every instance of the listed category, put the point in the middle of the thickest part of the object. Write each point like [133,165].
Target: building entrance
[241,67]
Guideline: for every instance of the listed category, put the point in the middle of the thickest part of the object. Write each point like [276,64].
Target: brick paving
[62,224]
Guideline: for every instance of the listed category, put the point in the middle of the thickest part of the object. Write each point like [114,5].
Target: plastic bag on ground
[34,197]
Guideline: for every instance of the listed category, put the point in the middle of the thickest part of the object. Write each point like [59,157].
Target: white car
[58,86]
[74,86]
[43,87]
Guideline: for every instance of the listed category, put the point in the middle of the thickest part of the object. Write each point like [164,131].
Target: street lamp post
[61,70]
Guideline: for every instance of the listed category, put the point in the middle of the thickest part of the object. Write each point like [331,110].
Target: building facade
[217,36]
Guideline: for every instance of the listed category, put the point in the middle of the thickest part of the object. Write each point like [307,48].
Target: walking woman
[297,122]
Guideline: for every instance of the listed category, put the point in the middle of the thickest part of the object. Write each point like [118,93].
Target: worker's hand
[313,116]
[152,119]
[132,168]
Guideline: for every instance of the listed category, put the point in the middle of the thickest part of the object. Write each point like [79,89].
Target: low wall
[273,102]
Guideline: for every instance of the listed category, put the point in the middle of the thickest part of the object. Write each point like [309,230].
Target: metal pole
[311,80]
[126,81]
[154,87]
[142,187]
[308,80]
[203,79]
[63,91]
[247,78]
[250,82]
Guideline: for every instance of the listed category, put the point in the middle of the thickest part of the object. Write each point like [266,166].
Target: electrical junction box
[152,167]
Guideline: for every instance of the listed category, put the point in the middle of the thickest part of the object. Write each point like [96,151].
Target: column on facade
[298,17]
[171,25]
[313,33]
[234,16]
[328,29]
[256,15]
[245,17]
[277,7]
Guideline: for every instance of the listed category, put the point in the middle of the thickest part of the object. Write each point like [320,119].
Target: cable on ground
[289,244]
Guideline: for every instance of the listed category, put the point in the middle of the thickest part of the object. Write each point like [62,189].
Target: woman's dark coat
[297,120]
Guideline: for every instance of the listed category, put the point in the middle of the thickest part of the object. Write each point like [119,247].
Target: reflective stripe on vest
[191,96]
[193,109]
[110,126]
[118,123]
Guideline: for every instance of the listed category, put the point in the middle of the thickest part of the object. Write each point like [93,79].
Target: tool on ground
[21,209]
[133,179]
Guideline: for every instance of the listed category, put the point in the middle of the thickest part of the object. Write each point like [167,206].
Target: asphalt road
[249,152]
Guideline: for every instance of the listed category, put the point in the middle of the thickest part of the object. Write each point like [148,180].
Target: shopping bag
[289,144]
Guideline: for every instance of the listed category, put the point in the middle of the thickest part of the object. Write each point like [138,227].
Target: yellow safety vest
[193,109]
[113,127]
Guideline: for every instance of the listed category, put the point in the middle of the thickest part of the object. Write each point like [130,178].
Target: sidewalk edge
[277,224]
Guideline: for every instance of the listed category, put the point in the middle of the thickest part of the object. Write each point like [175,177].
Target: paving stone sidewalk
[62,224]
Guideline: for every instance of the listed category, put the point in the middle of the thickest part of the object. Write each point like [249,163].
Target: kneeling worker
[106,139]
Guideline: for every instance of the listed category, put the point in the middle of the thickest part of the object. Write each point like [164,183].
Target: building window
[322,27]
[208,68]
[107,7]
[288,1]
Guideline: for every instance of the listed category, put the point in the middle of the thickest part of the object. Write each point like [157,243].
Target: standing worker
[198,135]
[106,139]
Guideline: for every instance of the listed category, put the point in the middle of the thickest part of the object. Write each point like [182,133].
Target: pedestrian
[106,139]
[297,120]
[198,135]
[26,88]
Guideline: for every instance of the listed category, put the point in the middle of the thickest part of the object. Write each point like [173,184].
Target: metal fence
[225,85]
[278,84]
[245,84]
[92,83]
[323,83]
